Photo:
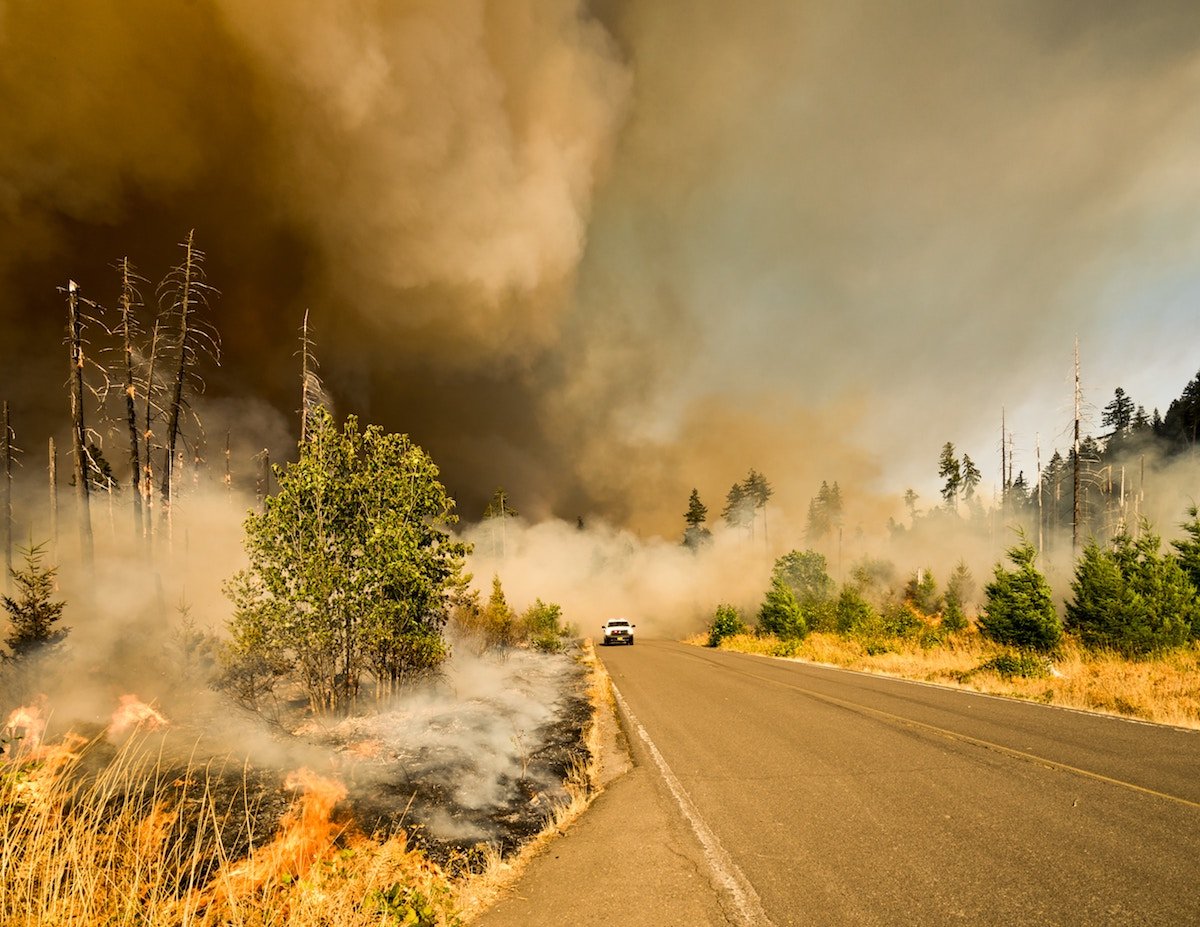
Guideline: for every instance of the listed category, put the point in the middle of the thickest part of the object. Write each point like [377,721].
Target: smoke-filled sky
[603,253]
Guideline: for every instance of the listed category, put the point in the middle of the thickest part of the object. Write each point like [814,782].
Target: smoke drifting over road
[601,253]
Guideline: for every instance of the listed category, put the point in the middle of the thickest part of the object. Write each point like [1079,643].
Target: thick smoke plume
[568,246]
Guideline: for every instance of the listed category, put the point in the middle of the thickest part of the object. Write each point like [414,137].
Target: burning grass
[114,825]
[1164,689]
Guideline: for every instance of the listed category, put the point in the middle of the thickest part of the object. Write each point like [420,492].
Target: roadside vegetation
[1127,642]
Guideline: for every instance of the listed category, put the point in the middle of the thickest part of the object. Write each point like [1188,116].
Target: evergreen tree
[1188,548]
[950,470]
[1131,598]
[33,614]
[1019,609]
[970,477]
[959,590]
[1118,414]
[695,534]
[910,503]
[780,613]
[921,592]
[1181,424]
[739,507]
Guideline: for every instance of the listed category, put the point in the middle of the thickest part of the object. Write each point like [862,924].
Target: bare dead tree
[312,390]
[228,466]
[53,473]
[78,426]
[127,330]
[7,514]
[147,487]
[263,485]
[183,295]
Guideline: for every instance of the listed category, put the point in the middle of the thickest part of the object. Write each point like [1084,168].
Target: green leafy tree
[727,622]
[695,533]
[351,566]
[854,612]
[950,470]
[780,613]
[1131,598]
[805,573]
[33,614]
[960,589]
[1019,610]
[542,625]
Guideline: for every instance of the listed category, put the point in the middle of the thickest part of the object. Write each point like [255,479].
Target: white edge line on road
[728,875]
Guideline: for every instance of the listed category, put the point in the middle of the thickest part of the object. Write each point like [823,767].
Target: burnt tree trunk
[135,464]
[78,427]
[187,281]
[7,528]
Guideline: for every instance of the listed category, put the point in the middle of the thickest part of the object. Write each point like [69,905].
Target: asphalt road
[820,796]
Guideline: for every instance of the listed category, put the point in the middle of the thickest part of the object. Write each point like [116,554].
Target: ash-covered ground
[477,757]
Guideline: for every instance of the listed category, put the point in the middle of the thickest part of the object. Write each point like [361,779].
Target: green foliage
[804,573]
[959,591]
[541,624]
[351,568]
[950,470]
[1131,598]
[33,614]
[922,593]
[406,906]
[499,505]
[1022,663]
[1019,610]
[1188,552]
[824,513]
[780,613]
[695,534]
[899,620]
[727,622]
[739,507]
[853,612]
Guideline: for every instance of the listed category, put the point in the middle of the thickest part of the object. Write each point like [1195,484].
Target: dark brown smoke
[601,253]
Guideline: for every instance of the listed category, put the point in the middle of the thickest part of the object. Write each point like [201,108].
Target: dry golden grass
[141,843]
[106,849]
[1165,689]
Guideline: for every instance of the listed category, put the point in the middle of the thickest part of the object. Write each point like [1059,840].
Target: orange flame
[306,836]
[133,712]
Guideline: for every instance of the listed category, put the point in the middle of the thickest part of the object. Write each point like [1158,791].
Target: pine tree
[921,592]
[970,477]
[780,613]
[1019,610]
[33,613]
[1131,598]
[1118,414]
[739,507]
[950,470]
[959,590]
[695,534]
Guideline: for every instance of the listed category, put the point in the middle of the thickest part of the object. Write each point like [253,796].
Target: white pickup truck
[618,631]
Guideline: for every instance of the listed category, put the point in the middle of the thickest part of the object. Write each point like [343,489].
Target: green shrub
[853,611]
[959,591]
[1131,598]
[1019,610]
[727,622]
[899,620]
[1023,664]
[542,625]
[922,594]
[780,613]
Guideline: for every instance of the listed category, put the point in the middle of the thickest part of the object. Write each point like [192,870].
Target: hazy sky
[603,254]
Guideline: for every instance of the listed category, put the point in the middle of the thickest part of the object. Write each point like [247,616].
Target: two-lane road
[828,797]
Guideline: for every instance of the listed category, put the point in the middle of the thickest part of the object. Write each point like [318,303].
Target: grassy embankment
[137,840]
[1164,688]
